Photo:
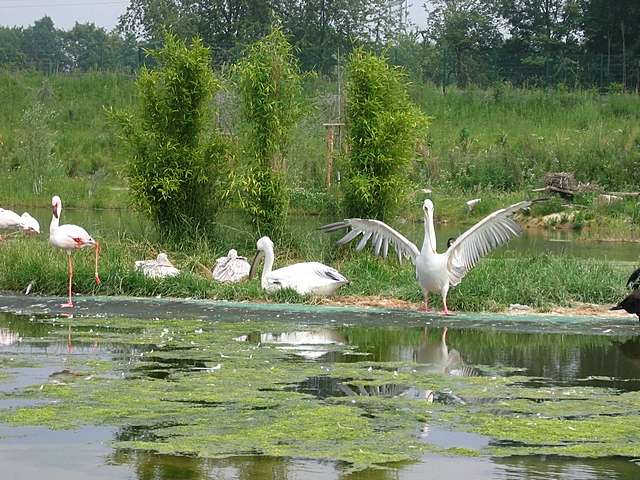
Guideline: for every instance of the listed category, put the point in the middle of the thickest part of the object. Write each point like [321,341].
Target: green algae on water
[213,389]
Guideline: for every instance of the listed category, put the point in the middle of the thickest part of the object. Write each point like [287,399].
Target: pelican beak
[254,264]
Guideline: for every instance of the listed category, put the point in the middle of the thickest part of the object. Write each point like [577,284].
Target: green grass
[478,141]
[508,138]
[541,281]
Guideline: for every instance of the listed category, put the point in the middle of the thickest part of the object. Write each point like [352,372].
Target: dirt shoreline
[13,301]
[586,309]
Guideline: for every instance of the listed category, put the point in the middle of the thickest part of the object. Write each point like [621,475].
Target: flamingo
[29,224]
[10,220]
[70,238]
[436,272]
[306,278]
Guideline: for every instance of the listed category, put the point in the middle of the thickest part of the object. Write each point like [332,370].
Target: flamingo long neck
[429,244]
[55,223]
[268,262]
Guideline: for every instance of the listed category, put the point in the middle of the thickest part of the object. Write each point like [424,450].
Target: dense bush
[384,127]
[269,83]
[179,166]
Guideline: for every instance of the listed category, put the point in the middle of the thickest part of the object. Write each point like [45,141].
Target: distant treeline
[579,43]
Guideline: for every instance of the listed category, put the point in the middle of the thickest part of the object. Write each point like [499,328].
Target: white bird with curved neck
[306,278]
[70,238]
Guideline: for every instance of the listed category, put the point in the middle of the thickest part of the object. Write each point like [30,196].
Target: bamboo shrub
[384,128]
[179,165]
[269,85]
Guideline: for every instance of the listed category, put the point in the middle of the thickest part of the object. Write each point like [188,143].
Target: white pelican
[436,272]
[307,278]
[231,268]
[161,267]
[70,238]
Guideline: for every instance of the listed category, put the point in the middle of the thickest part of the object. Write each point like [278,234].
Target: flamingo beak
[254,264]
[54,207]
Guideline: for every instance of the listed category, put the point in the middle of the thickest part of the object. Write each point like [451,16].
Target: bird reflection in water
[8,337]
[434,356]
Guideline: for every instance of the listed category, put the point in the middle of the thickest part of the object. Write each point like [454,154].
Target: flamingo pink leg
[70,274]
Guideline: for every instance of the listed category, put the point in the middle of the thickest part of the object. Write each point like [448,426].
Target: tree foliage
[384,128]
[178,170]
[467,34]
[269,84]
[85,47]
[318,29]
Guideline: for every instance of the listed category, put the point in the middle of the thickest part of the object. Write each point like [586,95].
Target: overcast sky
[104,13]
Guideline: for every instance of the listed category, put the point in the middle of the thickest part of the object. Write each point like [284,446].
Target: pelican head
[264,245]
[163,260]
[56,205]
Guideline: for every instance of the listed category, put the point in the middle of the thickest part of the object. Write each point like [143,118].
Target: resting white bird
[10,220]
[161,267]
[29,224]
[471,204]
[436,272]
[231,268]
[307,278]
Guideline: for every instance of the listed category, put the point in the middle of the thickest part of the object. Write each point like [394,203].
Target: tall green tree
[468,37]
[269,84]
[318,29]
[87,47]
[541,30]
[611,30]
[384,128]
[43,46]
[11,47]
[179,165]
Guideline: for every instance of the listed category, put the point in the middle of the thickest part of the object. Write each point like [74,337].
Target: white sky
[104,13]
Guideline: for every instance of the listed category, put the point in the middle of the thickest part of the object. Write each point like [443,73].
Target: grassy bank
[541,281]
[501,139]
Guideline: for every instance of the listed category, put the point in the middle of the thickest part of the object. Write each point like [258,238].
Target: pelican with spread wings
[436,272]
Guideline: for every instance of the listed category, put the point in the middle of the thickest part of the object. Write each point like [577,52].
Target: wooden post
[329,155]
[330,139]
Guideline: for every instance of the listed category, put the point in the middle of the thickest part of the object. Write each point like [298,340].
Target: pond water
[114,223]
[126,391]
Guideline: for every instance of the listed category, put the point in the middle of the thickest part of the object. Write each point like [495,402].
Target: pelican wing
[380,234]
[330,273]
[491,232]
